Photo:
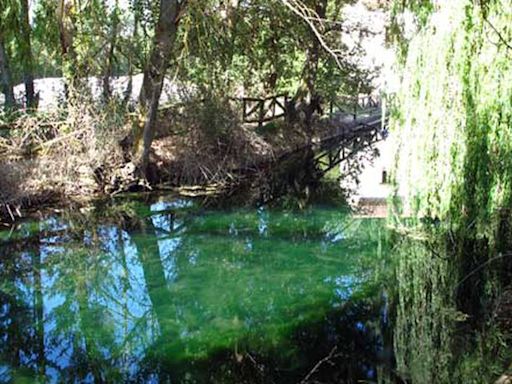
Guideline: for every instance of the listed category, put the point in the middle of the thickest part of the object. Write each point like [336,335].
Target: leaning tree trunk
[154,73]
[26,52]
[5,78]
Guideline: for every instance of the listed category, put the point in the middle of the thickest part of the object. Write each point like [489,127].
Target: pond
[166,290]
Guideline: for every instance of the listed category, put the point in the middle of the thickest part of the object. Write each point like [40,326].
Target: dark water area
[167,291]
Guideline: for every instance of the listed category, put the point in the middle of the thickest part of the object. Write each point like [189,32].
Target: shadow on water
[168,291]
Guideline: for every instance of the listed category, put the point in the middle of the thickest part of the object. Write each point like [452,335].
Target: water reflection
[176,293]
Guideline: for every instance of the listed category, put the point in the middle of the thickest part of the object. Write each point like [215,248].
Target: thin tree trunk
[6,79]
[28,62]
[313,53]
[154,73]
[107,90]
[274,63]
[66,35]
[310,72]
[136,21]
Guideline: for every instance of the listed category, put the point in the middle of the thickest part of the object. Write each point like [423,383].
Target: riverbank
[86,152]
[203,145]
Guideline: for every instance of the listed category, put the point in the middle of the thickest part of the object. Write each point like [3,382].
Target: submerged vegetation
[175,292]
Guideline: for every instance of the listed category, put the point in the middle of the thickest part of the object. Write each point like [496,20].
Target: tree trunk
[107,90]
[136,20]
[154,73]
[66,35]
[26,53]
[6,79]
[310,70]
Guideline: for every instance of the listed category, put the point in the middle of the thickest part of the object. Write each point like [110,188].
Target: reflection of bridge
[350,125]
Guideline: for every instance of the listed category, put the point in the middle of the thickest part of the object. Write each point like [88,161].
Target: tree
[66,22]
[325,55]
[26,55]
[114,31]
[8,23]
[163,42]
[311,65]
[6,78]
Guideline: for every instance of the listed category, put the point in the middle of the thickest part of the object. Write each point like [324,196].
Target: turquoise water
[169,291]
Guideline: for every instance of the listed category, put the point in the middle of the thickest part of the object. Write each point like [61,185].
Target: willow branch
[500,36]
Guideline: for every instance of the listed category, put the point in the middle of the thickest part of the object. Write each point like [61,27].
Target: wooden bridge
[354,130]
[353,125]
[263,110]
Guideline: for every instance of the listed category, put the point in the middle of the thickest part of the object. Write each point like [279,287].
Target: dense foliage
[453,121]
[256,44]
[455,106]
[222,48]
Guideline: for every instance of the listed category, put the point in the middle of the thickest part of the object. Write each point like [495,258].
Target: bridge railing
[353,105]
[257,110]
[263,110]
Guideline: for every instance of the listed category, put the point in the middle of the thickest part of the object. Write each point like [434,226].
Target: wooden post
[261,113]
[244,106]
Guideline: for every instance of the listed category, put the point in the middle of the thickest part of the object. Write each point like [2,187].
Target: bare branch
[500,36]
[309,16]
[326,359]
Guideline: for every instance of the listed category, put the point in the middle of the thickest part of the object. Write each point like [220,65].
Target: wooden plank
[253,109]
[276,96]
[261,114]
[266,109]
[267,106]
[281,105]
[253,99]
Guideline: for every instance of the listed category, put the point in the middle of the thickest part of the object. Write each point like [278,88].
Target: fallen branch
[60,138]
[326,359]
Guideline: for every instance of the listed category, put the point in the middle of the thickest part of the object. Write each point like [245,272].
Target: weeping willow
[454,116]
[453,124]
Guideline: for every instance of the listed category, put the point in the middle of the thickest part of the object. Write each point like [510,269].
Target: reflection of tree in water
[248,355]
[20,308]
[88,332]
[134,303]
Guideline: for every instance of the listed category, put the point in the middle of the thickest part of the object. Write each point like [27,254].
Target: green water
[167,290]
